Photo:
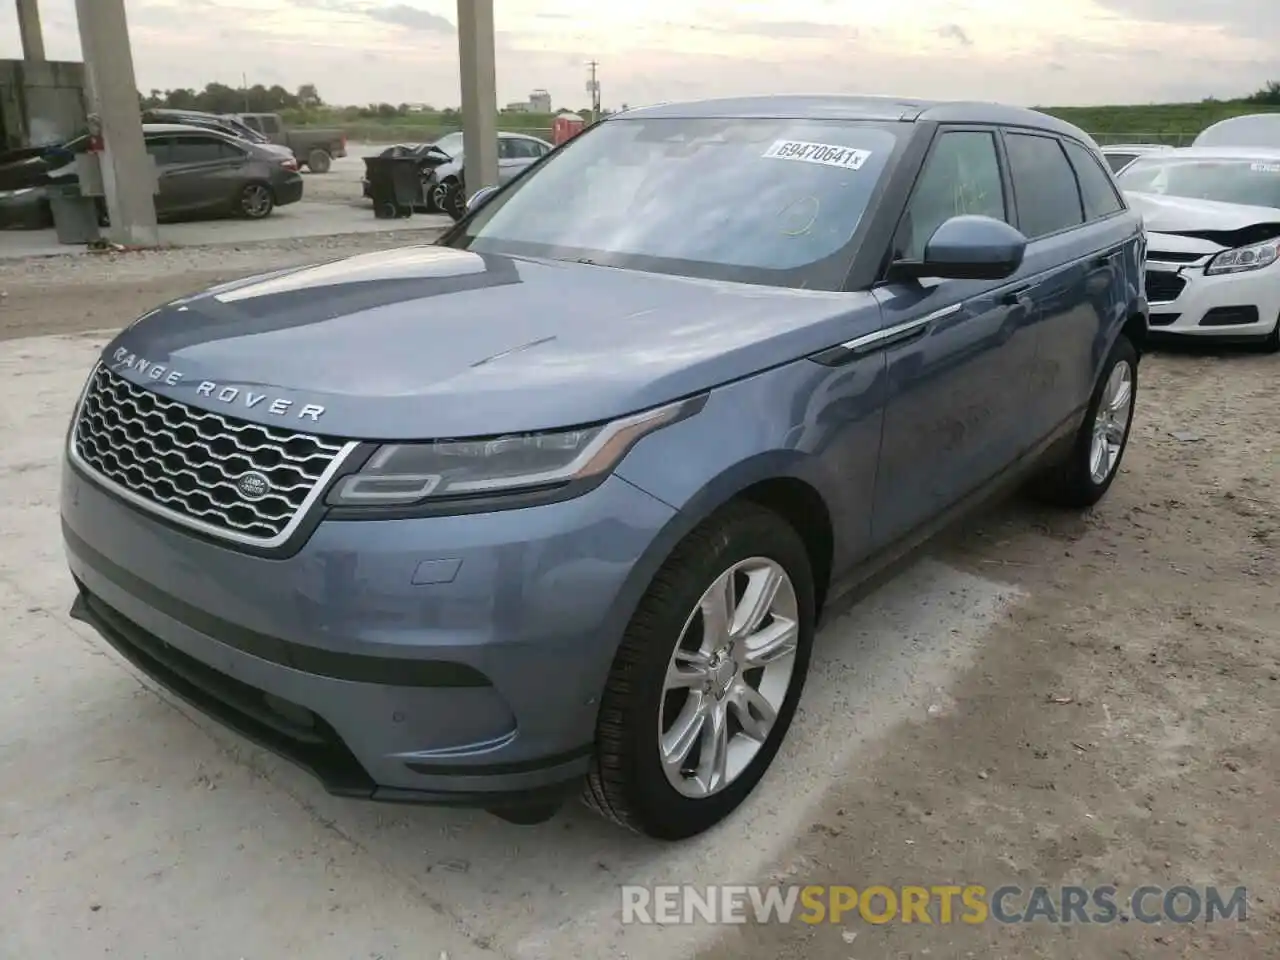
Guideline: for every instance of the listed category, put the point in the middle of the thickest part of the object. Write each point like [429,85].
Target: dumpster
[395,185]
[75,216]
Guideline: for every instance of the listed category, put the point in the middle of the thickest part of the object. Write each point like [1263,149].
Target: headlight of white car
[1253,257]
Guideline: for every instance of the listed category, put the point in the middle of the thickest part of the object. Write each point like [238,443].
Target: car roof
[1137,147]
[162,128]
[1270,154]
[850,107]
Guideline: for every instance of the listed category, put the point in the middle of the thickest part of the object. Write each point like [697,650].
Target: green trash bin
[75,216]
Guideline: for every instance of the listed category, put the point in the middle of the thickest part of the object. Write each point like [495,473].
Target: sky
[1049,53]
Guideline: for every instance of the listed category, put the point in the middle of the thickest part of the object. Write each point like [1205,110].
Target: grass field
[1173,123]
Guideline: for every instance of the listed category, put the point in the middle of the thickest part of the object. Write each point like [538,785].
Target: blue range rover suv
[553,504]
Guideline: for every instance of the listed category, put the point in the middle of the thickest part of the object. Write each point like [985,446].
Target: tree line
[220,98]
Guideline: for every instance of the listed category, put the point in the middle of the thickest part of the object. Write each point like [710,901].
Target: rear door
[1071,264]
[957,381]
[202,173]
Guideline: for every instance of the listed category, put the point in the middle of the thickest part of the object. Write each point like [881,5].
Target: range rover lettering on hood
[122,359]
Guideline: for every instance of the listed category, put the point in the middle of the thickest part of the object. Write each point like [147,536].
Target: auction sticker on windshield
[831,155]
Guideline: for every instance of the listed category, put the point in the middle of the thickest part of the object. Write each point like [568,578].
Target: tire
[455,202]
[628,782]
[1074,483]
[256,201]
[319,161]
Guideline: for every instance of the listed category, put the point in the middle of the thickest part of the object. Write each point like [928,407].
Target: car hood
[430,341]
[1183,215]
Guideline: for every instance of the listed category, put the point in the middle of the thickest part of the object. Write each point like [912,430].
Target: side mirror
[968,248]
[479,197]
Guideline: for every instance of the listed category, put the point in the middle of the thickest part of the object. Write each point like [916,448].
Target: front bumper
[452,660]
[1187,302]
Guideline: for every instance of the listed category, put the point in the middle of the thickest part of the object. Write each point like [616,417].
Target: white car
[1250,130]
[1120,155]
[1212,216]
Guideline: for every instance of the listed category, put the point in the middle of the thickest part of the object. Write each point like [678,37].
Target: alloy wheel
[1111,423]
[728,677]
[256,200]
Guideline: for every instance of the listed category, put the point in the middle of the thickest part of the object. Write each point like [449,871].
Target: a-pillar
[29,29]
[479,94]
[128,174]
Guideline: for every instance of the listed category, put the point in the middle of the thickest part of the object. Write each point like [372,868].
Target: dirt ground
[1118,728]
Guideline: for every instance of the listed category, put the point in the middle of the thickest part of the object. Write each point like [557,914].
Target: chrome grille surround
[183,463]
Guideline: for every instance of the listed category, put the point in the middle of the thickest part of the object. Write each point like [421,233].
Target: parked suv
[558,500]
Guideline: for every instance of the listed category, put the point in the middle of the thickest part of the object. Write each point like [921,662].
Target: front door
[958,371]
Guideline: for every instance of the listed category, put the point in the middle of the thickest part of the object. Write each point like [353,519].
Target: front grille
[187,463]
[1171,256]
[1163,287]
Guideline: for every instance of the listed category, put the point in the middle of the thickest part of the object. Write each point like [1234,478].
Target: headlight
[1253,257]
[409,473]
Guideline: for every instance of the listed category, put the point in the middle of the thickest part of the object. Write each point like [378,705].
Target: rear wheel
[707,678]
[1084,477]
[319,161]
[256,201]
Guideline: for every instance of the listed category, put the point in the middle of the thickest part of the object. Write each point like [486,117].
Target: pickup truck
[313,149]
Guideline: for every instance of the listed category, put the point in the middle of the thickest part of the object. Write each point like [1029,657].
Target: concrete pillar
[29,28]
[479,93]
[128,173]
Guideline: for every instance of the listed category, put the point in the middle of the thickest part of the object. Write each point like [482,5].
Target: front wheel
[706,681]
[1084,477]
[256,201]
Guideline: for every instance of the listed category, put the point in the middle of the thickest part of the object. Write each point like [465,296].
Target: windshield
[1232,180]
[450,144]
[758,201]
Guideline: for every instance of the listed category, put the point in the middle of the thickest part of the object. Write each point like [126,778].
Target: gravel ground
[1117,727]
[95,291]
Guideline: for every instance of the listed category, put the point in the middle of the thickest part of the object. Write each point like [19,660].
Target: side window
[526,149]
[158,150]
[196,150]
[252,122]
[507,148]
[270,124]
[1099,195]
[961,176]
[1044,183]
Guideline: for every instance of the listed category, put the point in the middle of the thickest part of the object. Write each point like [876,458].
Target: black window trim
[940,130]
[1049,135]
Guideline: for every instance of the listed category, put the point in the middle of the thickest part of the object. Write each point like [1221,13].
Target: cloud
[953,31]
[1245,18]
[362,51]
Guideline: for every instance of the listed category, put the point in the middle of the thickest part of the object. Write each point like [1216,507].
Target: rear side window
[1096,190]
[201,150]
[1045,185]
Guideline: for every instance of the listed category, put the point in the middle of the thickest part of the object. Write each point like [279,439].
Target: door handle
[1014,297]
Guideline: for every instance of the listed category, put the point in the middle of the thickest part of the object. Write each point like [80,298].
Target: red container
[565,127]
